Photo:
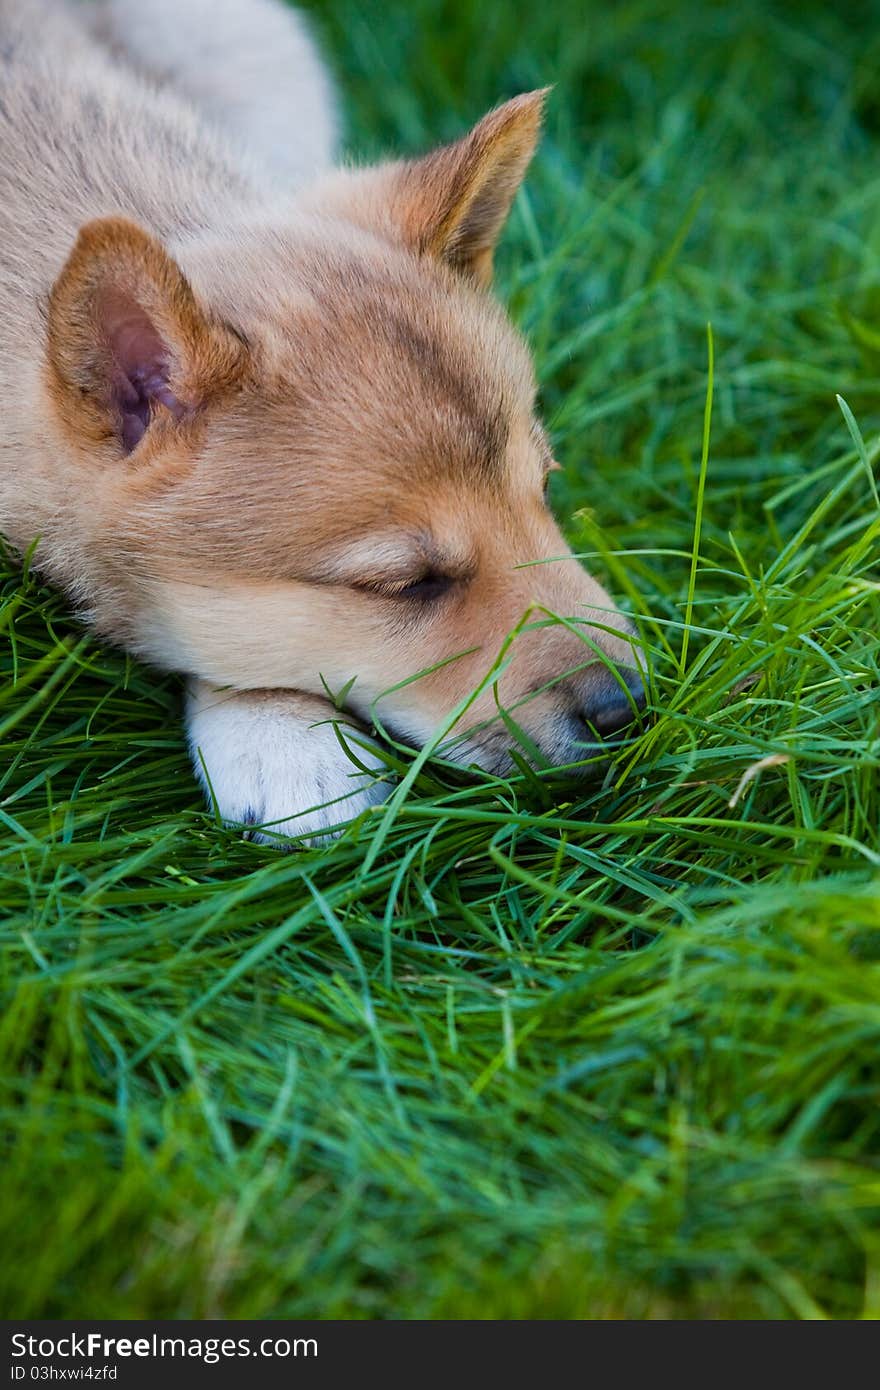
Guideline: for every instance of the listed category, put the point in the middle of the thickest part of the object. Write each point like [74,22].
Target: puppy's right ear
[128,342]
[448,206]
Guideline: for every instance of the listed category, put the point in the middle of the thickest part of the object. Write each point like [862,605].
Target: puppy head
[311,460]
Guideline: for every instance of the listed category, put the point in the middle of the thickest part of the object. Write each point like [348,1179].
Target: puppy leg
[271,759]
[250,66]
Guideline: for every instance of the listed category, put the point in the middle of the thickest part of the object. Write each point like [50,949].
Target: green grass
[532,1058]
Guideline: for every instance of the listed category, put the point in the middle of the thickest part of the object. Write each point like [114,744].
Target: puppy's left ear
[452,204]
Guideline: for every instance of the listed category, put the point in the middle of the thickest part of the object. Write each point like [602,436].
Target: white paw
[271,761]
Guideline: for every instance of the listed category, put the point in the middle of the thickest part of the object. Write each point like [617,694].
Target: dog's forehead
[407,365]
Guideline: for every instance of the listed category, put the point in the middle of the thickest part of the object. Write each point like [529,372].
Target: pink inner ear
[141,367]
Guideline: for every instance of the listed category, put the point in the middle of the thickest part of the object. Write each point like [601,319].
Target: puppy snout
[611,706]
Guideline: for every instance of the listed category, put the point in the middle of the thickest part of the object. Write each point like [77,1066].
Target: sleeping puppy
[263,418]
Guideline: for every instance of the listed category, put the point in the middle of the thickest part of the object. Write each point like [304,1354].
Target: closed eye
[426,589]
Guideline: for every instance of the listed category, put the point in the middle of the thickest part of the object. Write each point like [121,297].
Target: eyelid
[381,584]
[373,562]
[389,588]
[432,583]
[383,567]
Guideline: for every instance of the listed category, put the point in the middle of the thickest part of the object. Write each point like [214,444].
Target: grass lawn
[495,1053]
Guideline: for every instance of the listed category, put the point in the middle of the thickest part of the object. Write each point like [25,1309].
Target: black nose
[609,708]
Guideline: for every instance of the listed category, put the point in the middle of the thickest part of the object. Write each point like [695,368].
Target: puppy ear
[127,339]
[452,204]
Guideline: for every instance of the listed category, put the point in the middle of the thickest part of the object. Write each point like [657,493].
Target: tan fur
[113,266]
[352,411]
[453,203]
